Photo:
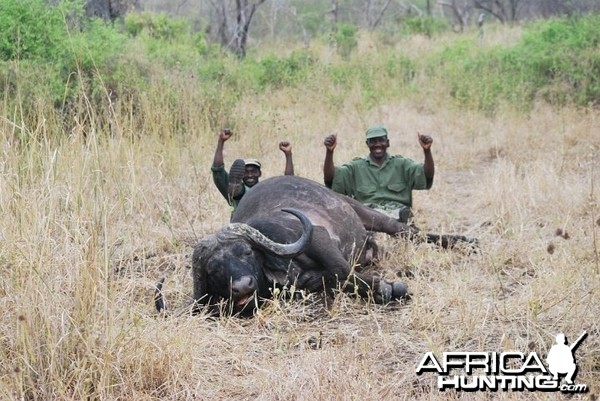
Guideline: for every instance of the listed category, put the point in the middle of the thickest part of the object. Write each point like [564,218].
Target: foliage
[312,17]
[422,25]
[158,26]
[345,39]
[470,73]
[30,29]
[54,55]
[201,44]
[278,72]
[561,59]
[93,50]
[557,60]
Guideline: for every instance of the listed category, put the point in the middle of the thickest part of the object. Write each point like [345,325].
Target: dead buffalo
[291,231]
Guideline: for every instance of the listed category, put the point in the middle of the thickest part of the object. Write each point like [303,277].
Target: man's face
[251,176]
[378,147]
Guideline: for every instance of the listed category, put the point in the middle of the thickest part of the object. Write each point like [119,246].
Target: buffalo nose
[243,286]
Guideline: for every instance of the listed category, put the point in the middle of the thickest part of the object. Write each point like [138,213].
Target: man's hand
[330,142]
[425,141]
[225,134]
[285,147]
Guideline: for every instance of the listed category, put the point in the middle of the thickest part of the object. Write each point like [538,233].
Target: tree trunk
[372,18]
[110,10]
[333,12]
[235,39]
[460,13]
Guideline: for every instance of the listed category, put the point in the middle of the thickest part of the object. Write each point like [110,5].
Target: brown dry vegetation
[88,225]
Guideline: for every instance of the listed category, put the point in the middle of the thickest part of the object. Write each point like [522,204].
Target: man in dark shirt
[243,174]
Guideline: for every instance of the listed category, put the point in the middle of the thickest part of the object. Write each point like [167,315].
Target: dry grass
[88,225]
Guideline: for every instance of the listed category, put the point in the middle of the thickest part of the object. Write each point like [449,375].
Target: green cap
[376,131]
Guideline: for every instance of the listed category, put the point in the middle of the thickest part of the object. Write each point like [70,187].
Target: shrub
[56,56]
[312,17]
[157,26]
[557,60]
[560,57]
[425,25]
[30,29]
[279,72]
[345,40]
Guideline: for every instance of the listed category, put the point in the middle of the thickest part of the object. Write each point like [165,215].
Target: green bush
[278,72]
[157,26]
[30,29]
[312,17]
[400,68]
[202,45]
[425,25]
[342,75]
[560,57]
[386,76]
[345,39]
[557,60]
[54,57]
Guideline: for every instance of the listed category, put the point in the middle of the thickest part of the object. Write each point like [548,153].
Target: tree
[460,12]
[373,17]
[233,32]
[333,15]
[110,9]
[503,10]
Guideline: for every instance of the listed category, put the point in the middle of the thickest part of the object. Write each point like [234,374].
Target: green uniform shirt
[221,180]
[388,187]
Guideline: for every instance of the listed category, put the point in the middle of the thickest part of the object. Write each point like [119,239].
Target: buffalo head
[229,264]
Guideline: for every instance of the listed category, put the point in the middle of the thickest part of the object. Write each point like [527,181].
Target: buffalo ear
[202,252]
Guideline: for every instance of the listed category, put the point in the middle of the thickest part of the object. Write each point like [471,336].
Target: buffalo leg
[383,291]
[329,270]
[375,221]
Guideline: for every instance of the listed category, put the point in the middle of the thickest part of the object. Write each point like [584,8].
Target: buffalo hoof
[235,190]
[470,244]
[474,242]
[399,290]
[392,291]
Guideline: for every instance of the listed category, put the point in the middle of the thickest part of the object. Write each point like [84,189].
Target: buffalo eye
[213,268]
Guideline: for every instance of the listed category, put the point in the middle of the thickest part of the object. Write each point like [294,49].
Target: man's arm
[428,165]
[220,176]
[328,166]
[224,135]
[286,148]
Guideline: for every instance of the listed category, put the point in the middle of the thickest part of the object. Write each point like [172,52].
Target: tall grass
[98,202]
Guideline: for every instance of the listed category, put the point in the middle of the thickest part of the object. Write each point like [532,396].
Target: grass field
[90,222]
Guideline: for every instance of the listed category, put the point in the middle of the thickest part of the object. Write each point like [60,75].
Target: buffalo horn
[262,241]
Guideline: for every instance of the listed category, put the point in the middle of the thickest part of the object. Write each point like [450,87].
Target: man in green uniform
[243,174]
[379,180]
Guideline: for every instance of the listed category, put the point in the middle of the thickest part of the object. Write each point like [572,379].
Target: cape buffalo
[291,231]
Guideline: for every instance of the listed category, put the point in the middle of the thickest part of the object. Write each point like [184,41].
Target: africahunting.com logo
[507,371]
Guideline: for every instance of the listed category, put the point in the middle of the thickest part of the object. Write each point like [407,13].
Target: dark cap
[376,131]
